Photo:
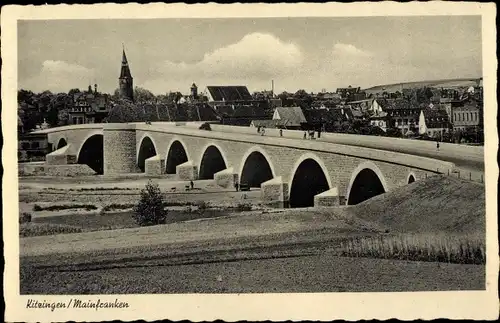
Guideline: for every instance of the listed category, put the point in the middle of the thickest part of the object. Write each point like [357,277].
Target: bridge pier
[275,191]
[154,166]
[187,171]
[61,156]
[226,178]
[120,156]
[328,198]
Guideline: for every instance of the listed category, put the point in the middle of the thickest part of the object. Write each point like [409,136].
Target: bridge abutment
[119,149]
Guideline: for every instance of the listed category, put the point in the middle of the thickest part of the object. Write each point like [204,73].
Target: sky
[297,53]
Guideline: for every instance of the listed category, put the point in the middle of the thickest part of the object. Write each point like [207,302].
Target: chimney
[272,88]
[95,88]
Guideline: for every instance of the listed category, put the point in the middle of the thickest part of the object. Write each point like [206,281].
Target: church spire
[125,72]
[126,80]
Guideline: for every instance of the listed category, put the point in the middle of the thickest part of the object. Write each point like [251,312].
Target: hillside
[435,204]
[448,83]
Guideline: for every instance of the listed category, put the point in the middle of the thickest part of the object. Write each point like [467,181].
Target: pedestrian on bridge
[305,135]
[281,132]
[437,145]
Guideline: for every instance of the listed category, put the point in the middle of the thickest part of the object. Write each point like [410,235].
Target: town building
[223,95]
[291,117]
[33,147]
[88,107]
[370,106]
[466,116]
[403,115]
[381,120]
[433,122]
[240,114]
[350,93]
[329,104]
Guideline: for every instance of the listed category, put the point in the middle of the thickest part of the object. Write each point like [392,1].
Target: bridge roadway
[285,168]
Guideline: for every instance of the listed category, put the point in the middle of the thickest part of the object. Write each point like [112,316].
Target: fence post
[425,175]
[470,176]
[448,172]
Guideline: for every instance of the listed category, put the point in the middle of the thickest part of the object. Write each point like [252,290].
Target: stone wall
[55,170]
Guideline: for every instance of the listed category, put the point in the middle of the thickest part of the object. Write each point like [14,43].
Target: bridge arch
[91,152]
[366,182]
[61,143]
[212,160]
[147,149]
[411,178]
[308,178]
[176,154]
[256,167]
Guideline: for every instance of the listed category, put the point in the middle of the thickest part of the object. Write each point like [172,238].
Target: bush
[244,207]
[117,206]
[87,207]
[25,217]
[205,126]
[150,209]
[44,229]
[202,205]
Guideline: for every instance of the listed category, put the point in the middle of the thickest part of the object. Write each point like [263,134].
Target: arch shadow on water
[146,150]
[411,179]
[92,153]
[309,180]
[366,185]
[176,156]
[256,170]
[211,163]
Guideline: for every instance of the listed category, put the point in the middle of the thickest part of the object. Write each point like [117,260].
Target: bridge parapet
[419,162]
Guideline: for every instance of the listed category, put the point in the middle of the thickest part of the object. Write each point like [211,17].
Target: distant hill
[449,83]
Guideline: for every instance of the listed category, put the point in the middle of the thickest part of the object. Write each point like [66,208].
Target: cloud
[257,57]
[59,76]
[349,50]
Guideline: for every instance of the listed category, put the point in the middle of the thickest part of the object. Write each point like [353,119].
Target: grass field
[322,272]
[120,220]
[284,251]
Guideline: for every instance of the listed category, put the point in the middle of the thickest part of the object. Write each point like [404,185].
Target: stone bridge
[288,169]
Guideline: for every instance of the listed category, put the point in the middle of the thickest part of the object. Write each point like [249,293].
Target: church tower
[126,80]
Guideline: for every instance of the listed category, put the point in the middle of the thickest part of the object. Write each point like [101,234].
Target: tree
[143,95]
[174,97]
[124,111]
[150,209]
[73,92]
